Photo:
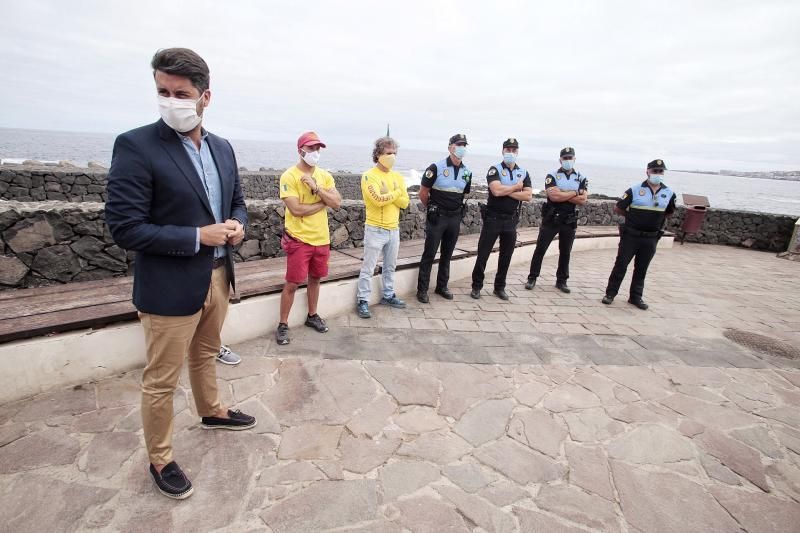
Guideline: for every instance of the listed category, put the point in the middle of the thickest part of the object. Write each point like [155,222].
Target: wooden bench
[26,313]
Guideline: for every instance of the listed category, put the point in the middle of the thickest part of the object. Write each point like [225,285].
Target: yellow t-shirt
[383,209]
[311,229]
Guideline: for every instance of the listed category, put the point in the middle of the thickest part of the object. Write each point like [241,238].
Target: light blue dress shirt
[206,169]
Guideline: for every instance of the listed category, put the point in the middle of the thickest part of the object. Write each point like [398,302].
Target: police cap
[458,138]
[656,164]
[511,143]
[567,151]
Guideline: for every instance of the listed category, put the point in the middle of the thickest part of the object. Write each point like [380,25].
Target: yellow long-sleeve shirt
[383,209]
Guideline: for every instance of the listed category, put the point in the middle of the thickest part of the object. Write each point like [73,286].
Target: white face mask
[180,114]
[311,158]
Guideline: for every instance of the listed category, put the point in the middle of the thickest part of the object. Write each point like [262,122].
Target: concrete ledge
[32,366]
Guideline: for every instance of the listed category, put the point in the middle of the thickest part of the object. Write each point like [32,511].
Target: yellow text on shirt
[383,209]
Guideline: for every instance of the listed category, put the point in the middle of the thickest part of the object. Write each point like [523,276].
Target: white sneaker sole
[181,496]
[230,428]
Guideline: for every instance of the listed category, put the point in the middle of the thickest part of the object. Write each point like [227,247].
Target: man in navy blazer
[174,197]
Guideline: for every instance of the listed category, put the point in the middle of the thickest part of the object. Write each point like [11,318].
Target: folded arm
[330,197]
[403,200]
[302,210]
[525,195]
[498,189]
[370,189]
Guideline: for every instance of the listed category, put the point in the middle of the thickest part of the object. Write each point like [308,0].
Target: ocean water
[729,192]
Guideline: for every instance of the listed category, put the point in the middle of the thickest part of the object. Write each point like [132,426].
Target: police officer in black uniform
[509,186]
[645,207]
[566,188]
[442,191]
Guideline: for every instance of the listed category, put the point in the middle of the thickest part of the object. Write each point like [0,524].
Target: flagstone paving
[549,412]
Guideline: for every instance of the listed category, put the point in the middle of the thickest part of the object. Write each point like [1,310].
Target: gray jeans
[377,241]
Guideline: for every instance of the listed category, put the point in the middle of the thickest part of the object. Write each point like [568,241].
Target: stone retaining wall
[24,183]
[38,184]
[58,242]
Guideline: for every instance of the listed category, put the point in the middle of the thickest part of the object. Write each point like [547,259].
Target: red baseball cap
[309,138]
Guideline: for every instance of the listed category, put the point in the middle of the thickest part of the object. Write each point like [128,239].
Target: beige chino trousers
[168,340]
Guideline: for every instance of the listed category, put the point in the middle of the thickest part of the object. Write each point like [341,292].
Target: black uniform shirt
[645,219]
[566,207]
[503,204]
[447,200]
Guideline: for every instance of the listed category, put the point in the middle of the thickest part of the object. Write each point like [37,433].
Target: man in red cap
[307,191]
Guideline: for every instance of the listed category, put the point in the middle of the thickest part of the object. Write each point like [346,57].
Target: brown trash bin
[696,207]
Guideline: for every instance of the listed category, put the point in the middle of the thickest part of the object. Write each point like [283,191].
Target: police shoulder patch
[624,195]
[549,179]
[428,173]
[492,171]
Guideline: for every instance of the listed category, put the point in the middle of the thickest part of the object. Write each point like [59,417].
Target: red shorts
[304,260]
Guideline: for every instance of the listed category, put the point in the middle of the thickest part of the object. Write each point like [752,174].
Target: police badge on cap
[511,142]
[656,164]
[567,151]
[458,138]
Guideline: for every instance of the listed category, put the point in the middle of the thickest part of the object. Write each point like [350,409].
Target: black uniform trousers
[631,246]
[566,236]
[495,227]
[439,229]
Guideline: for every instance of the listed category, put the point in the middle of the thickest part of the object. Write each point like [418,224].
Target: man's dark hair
[183,62]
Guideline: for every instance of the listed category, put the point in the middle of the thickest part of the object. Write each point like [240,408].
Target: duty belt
[501,216]
[445,212]
[637,233]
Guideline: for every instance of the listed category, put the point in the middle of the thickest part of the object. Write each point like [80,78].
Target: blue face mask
[460,151]
[655,179]
[567,164]
[509,158]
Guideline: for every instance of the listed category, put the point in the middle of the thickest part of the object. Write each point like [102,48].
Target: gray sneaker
[282,334]
[393,301]
[315,321]
[362,308]
[228,357]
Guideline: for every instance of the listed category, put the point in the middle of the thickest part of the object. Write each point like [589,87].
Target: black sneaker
[639,303]
[563,287]
[445,293]
[282,334]
[422,297]
[607,299]
[237,421]
[315,321]
[501,293]
[172,482]
[531,283]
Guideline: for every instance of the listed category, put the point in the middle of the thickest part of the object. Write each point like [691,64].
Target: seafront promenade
[549,412]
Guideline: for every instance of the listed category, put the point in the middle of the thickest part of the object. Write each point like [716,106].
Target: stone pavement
[548,413]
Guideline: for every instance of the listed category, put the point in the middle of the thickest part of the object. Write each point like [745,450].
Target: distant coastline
[783,175]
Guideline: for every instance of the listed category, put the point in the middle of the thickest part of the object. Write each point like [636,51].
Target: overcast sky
[703,84]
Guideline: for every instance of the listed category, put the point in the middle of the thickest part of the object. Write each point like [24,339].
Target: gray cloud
[704,84]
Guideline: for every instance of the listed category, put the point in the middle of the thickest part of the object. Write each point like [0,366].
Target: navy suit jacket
[156,202]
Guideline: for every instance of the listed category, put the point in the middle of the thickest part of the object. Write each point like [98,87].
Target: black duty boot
[638,303]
